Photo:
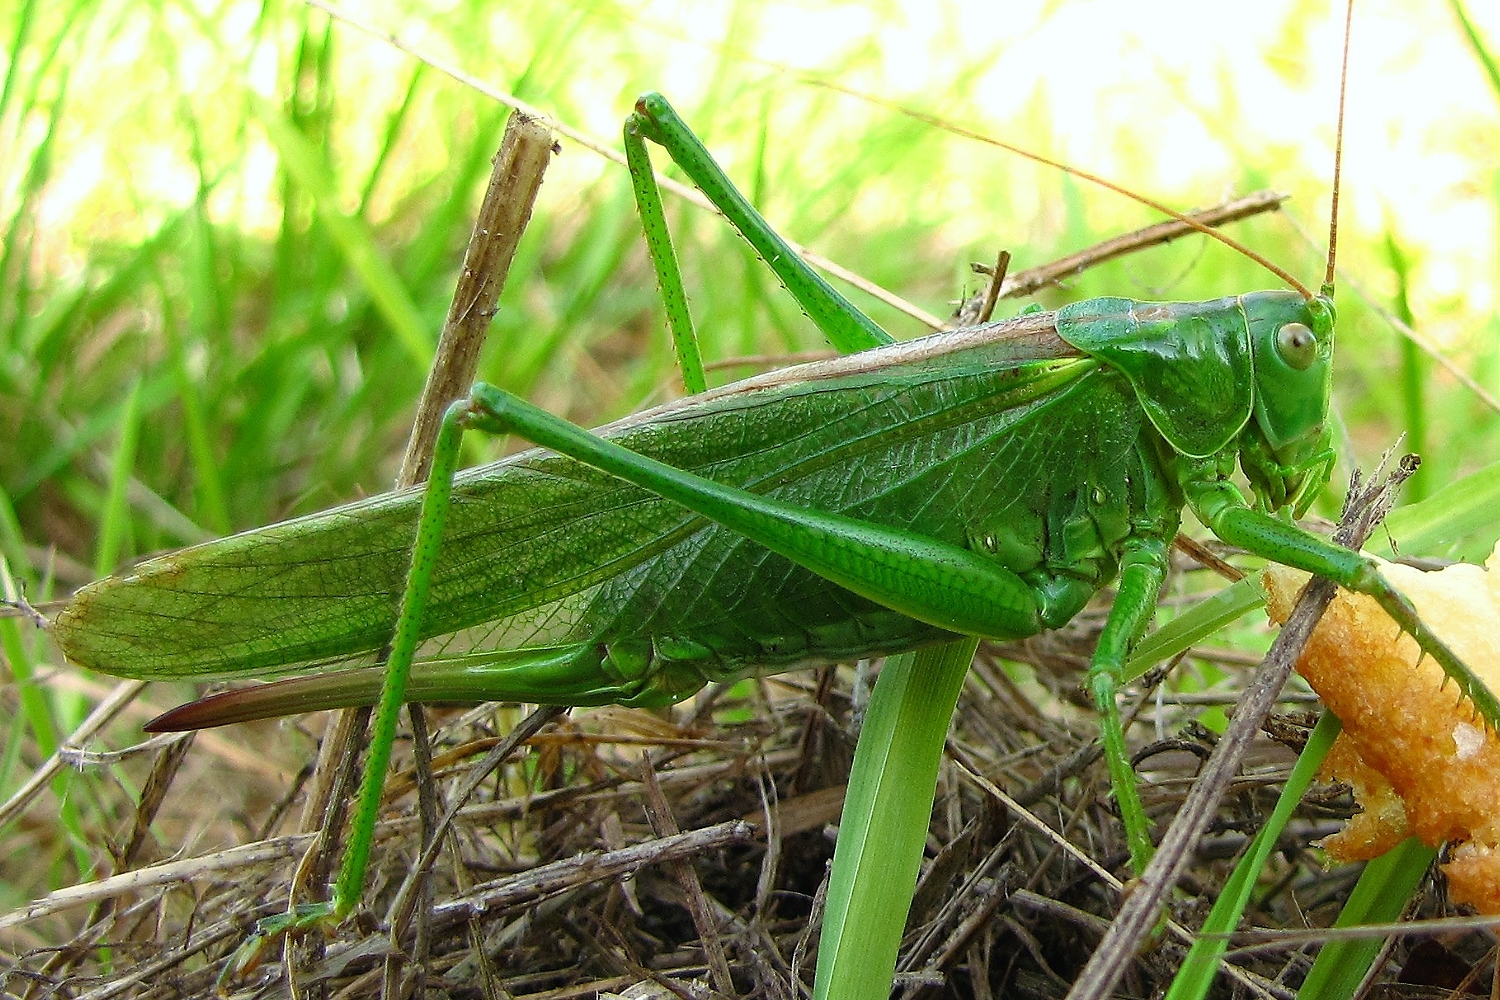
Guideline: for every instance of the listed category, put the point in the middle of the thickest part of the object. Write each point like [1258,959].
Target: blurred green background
[173,285]
[231,230]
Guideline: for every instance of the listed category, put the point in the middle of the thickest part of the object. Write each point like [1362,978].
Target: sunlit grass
[159,235]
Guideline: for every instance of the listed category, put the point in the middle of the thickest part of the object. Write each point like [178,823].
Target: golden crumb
[1420,762]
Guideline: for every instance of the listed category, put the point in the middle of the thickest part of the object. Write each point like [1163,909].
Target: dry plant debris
[1420,761]
[565,889]
[557,885]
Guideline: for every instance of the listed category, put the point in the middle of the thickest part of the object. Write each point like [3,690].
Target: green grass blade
[428,258]
[887,810]
[1457,519]
[390,140]
[37,719]
[1481,50]
[25,18]
[205,313]
[1202,962]
[1413,367]
[155,392]
[32,698]
[115,531]
[1201,621]
[351,235]
[13,539]
[1380,897]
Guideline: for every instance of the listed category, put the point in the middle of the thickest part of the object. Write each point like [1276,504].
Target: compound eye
[1297,345]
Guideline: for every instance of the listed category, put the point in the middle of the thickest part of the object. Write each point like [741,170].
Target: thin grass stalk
[887,810]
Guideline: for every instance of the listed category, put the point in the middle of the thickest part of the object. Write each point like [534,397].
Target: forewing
[541,550]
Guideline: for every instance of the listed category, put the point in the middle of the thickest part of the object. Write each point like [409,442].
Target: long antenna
[1085,175]
[1338,154]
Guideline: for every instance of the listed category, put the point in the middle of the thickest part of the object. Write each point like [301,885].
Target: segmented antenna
[1338,154]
